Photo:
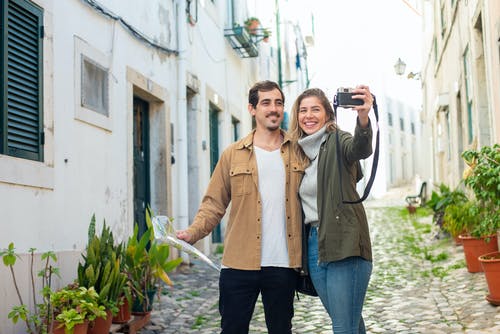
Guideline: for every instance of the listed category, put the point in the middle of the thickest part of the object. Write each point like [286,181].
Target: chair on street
[420,198]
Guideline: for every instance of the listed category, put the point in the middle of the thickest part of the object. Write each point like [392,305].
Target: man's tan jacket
[235,180]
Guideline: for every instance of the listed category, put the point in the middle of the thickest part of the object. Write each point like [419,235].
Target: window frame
[84,50]
[37,14]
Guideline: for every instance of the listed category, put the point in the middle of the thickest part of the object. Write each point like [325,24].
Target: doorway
[142,187]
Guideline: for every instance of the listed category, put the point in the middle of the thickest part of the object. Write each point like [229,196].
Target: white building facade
[109,107]
[460,81]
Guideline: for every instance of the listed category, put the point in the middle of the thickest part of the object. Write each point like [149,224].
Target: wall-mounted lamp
[400,67]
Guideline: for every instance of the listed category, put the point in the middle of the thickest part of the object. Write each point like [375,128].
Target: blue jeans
[341,286]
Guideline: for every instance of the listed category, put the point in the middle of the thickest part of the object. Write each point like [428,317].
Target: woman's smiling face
[312,115]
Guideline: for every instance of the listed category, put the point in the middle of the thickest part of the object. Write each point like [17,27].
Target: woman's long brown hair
[296,132]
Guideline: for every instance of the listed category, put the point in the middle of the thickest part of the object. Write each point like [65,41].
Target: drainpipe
[278,41]
[179,193]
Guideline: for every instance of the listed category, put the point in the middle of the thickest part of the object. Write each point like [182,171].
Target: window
[448,133]
[401,124]
[443,18]
[192,11]
[412,125]
[435,48]
[235,124]
[94,87]
[21,78]
[468,93]
[389,119]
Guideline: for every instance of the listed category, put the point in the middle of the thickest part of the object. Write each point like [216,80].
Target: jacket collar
[247,142]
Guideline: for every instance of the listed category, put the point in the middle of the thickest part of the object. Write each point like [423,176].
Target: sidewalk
[407,293]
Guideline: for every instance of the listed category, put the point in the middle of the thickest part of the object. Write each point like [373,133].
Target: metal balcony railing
[241,42]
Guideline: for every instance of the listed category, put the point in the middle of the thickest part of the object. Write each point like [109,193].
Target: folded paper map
[164,231]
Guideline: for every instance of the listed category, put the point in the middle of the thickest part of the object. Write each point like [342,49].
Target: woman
[339,248]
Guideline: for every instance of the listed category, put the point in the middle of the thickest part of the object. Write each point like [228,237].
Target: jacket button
[337,217]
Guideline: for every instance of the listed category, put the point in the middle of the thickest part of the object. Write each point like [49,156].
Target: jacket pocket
[241,180]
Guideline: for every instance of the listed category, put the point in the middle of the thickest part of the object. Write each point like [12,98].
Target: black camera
[345,100]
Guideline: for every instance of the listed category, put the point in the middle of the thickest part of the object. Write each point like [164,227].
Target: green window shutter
[22,40]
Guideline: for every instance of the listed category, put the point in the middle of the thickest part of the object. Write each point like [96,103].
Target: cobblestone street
[419,285]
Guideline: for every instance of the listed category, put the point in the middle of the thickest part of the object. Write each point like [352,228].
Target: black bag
[304,282]
[305,285]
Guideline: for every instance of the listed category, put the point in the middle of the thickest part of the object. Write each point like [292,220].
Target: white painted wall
[88,165]
[444,83]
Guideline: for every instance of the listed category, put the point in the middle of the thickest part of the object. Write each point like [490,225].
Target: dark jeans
[238,294]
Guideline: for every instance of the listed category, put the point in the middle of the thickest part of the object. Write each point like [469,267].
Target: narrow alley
[419,284]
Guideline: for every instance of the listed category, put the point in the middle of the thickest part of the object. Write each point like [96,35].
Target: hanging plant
[252,25]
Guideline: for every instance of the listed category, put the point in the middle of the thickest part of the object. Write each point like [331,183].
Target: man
[260,176]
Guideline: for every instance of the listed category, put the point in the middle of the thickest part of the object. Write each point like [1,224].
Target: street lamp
[400,67]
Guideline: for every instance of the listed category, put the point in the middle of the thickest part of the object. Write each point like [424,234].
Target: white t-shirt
[271,175]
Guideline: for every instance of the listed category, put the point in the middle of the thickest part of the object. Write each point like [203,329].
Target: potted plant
[266,33]
[73,307]
[252,25]
[458,218]
[441,199]
[101,270]
[146,264]
[38,320]
[483,177]
[490,263]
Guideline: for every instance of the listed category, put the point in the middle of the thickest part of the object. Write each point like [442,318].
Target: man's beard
[274,127]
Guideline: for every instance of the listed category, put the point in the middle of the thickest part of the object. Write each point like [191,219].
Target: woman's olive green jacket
[343,228]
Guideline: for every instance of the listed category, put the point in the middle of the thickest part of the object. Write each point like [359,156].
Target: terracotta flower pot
[411,209]
[473,248]
[101,325]
[78,329]
[252,27]
[491,267]
[123,314]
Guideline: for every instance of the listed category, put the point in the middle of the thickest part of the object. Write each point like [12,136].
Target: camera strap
[375,154]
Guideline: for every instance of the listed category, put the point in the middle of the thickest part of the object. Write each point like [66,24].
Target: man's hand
[184,235]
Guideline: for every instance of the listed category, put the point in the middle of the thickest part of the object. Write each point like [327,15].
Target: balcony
[241,42]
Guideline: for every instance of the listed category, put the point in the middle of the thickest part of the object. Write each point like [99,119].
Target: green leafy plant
[441,199]
[461,217]
[483,178]
[252,24]
[266,33]
[101,267]
[147,263]
[38,319]
[73,305]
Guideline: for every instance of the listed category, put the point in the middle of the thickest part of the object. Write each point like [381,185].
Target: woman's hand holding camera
[362,92]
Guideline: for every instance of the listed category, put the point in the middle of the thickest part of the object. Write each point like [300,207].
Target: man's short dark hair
[262,86]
